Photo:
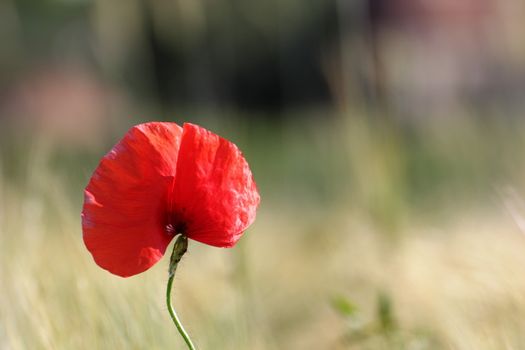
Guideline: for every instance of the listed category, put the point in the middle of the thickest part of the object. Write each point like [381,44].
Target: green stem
[179,249]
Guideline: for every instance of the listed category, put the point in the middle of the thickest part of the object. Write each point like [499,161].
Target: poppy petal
[214,191]
[125,200]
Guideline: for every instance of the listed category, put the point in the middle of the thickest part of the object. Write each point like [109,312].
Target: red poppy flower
[160,180]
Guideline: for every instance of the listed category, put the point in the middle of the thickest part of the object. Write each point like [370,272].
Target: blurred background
[385,136]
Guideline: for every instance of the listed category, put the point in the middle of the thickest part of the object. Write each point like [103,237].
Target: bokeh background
[385,136]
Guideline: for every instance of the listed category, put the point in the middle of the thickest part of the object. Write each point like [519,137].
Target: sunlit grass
[348,209]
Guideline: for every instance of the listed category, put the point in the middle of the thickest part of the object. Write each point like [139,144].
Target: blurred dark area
[406,55]
[243,65]
[233,53]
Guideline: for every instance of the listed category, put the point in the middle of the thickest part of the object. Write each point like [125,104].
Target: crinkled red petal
[125,200]
[214,192]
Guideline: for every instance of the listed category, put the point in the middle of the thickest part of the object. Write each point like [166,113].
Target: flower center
[176,228]
[176,221]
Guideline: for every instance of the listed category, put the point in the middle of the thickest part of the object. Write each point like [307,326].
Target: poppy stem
[179,248]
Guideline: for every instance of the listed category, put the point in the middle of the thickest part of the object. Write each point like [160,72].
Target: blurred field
[385,137]
[350,212]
